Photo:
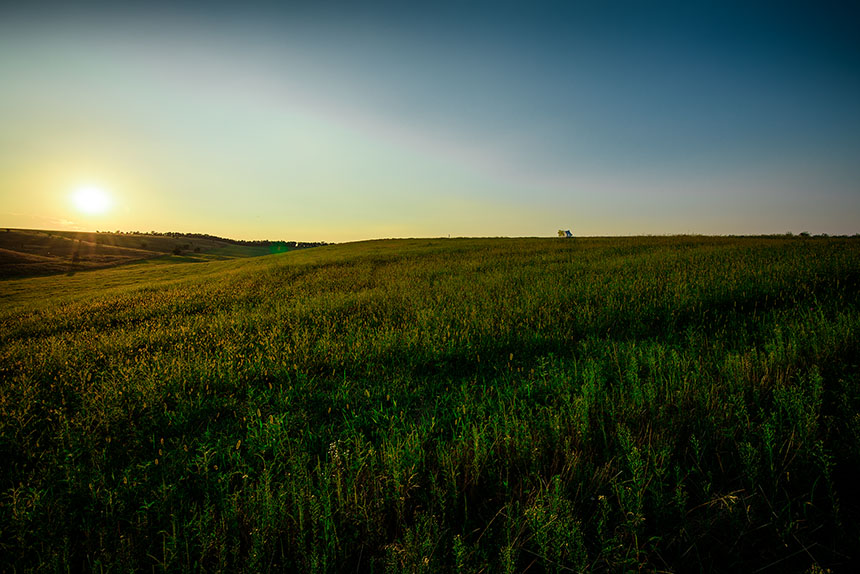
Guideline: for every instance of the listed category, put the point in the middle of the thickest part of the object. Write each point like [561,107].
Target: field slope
[31,252]
[542,405]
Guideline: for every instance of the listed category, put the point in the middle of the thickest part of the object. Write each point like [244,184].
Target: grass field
[31,252]
[501,405]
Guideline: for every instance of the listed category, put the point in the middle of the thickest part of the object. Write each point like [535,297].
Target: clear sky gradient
[345,121]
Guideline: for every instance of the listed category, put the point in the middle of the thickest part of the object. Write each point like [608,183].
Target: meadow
[31,252]
[667,404]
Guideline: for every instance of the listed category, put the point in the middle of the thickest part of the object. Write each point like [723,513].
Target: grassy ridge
[446,405]
[30,252]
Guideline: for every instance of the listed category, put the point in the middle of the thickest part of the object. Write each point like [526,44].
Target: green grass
[674,404]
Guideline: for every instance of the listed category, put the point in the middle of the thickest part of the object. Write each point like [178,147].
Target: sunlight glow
[91,200]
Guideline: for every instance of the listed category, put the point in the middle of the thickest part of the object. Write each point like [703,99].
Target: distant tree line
[258,242]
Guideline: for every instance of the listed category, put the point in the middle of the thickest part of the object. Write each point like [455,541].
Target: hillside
[28,252]
[471,405]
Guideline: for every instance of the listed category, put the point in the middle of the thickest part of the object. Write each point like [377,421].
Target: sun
[91,199]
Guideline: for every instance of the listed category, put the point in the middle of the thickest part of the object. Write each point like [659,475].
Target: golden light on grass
[91,199]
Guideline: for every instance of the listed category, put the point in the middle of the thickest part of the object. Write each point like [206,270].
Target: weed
[665,403]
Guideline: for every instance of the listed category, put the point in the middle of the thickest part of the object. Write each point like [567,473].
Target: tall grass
[668,404]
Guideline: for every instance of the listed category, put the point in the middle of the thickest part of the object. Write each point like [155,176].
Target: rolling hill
[26,252]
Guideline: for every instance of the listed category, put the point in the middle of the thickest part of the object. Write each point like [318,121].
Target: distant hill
[28,252]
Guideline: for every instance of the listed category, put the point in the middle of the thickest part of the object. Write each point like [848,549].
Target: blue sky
[328,121]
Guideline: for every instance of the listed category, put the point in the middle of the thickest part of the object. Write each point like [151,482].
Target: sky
[328,121]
